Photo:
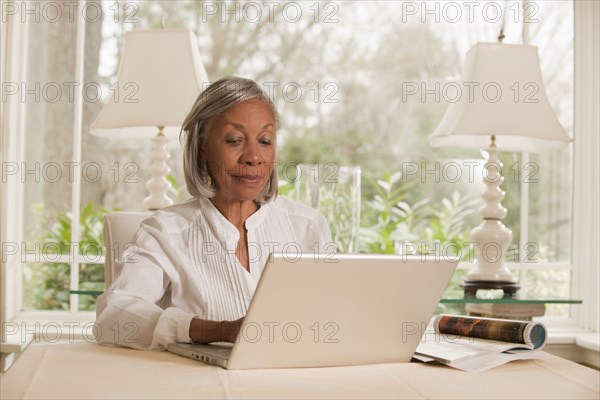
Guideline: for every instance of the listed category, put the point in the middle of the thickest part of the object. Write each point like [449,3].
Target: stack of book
[523,312]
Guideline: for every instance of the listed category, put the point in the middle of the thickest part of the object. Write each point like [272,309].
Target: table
[85,370]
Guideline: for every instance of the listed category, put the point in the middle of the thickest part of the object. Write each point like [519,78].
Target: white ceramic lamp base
[158,185]
[491,237]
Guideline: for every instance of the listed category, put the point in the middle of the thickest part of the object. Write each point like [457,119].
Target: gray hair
[216,99]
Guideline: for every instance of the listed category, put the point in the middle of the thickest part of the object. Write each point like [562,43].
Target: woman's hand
[205,331]
[233,327]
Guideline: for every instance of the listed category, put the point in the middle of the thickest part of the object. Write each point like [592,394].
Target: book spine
[529,333]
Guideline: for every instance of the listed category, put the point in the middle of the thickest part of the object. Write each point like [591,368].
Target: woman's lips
[249,179]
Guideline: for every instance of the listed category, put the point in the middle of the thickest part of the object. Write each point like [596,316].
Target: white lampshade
[502,94]
[165,74]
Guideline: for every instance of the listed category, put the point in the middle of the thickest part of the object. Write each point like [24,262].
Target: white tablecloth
[83,370]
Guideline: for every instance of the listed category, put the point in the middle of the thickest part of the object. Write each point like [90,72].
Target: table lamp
[160,76]
[503,106]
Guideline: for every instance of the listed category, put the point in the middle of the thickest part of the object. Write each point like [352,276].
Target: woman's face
[240,151]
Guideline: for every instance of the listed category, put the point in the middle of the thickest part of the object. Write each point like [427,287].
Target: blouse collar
[215,215]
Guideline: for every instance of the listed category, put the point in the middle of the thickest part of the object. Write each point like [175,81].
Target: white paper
[472,354]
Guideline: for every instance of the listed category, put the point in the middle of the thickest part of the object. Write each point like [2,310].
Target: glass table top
[443,300]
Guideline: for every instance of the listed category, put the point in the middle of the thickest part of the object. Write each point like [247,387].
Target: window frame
[586,190]
[584,263]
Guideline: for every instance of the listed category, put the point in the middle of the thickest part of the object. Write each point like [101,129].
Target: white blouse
[184,265]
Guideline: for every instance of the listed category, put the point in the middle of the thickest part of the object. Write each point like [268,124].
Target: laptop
[329,311]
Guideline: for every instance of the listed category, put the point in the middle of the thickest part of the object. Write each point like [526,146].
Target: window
[337,72]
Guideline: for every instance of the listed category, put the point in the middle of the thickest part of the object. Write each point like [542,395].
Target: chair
[119,229]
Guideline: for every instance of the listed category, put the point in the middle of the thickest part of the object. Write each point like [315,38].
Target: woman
[196,265]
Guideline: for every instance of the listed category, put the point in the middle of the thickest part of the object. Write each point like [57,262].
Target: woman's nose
[252,155]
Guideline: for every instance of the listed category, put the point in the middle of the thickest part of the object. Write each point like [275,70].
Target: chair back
[119,230]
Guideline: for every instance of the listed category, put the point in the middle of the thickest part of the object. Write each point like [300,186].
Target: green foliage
[46,283]
[46,286]
[335,147]
[389,217]
[393,216]
[448,224]
[285,188]
[392,220]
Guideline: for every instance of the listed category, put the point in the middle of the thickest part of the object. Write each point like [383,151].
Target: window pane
[550,173]
[46,285]
[550,284]
[49,106]
[550,205]
[48,169]
[91,278]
